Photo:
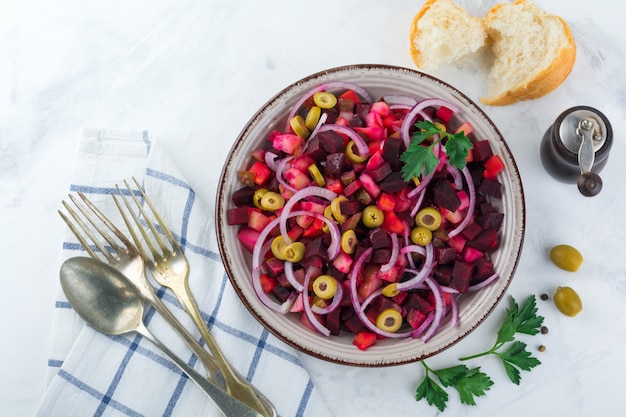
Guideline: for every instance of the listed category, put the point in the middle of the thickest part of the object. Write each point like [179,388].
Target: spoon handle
[228,405]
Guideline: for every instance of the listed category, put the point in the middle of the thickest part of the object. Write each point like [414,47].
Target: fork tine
[87,231]
[137,223]
[159,219]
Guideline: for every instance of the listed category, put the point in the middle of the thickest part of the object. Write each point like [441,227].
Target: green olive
[325,287]
[335,207]
[298,125]
[325,100]
[567,301]
[313,117]
[391,290]
[317,175]
[421,235]
[389,320]
[373,217]
[272,201]
[352,155]
[566,257]
[278,247]
[348,241]
[258,195]
[429,218]
[294,252]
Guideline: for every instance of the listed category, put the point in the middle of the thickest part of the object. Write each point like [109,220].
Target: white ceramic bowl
[379,80]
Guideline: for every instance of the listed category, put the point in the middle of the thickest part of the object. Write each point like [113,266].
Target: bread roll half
[533,52]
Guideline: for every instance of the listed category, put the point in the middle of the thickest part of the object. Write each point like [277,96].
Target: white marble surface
[193,72]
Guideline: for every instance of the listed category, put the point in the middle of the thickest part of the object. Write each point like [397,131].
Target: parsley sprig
[471,383]
[518,320]
[420,159]
[468,382]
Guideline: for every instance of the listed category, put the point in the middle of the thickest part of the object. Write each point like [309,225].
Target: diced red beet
[491,221]
[393,182]
[331,141]
[421,304]
[296,178]
[380,173]
[392,150]
[457,242]
[314,149]
[370,283]
[243,197]
[444,195]
[400,298]
[471,231]
[482,150]
[386,202]
[335,163]
[445,255]
[461,276]
[381,256]
[274,266]
[483,269]
[471,254]
[490,187]
[444,114]
[486,240]
[247,237]
[380,304]
[443,273]
[352,188]
[237,215]
[257,220]
[353,323]
[379,238]
[348,208]
[415,318]
[281,292]
[333,321]
[316,248]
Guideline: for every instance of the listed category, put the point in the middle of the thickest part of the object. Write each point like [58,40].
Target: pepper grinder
[576,148]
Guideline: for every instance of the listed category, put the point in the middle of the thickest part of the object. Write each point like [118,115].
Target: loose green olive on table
[566,257]
[567,301]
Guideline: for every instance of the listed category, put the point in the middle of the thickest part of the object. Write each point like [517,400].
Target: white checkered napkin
[100,375]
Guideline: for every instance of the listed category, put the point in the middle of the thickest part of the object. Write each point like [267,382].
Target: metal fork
[123,256]
[170,268]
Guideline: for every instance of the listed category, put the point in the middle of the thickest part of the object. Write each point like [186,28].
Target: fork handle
[228,405]
[236,384]
[214,373]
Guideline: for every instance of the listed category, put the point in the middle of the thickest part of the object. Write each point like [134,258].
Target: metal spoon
[105,299]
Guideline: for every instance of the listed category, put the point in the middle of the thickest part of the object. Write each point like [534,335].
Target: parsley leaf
[473,383]
[420,160]
[469,383]
[517,357]
[518,320]
[434,394]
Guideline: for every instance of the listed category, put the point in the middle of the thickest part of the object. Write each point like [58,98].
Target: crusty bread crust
[415,53]
[545,79]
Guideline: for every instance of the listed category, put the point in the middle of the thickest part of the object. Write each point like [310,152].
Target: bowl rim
[222,196]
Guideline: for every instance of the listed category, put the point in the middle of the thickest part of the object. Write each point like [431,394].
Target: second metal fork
[170,268]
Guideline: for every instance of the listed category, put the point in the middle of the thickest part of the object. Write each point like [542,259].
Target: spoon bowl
[103,297]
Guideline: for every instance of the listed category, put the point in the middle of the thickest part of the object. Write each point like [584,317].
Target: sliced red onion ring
[291,277]
[309,313]
[412,115]
[423,273]
[314,132]
[472,202]
[270,160]
[440,309]
[280,167]
[406,243]
[483,284]
[395,250]
[297,196]
[359,142]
